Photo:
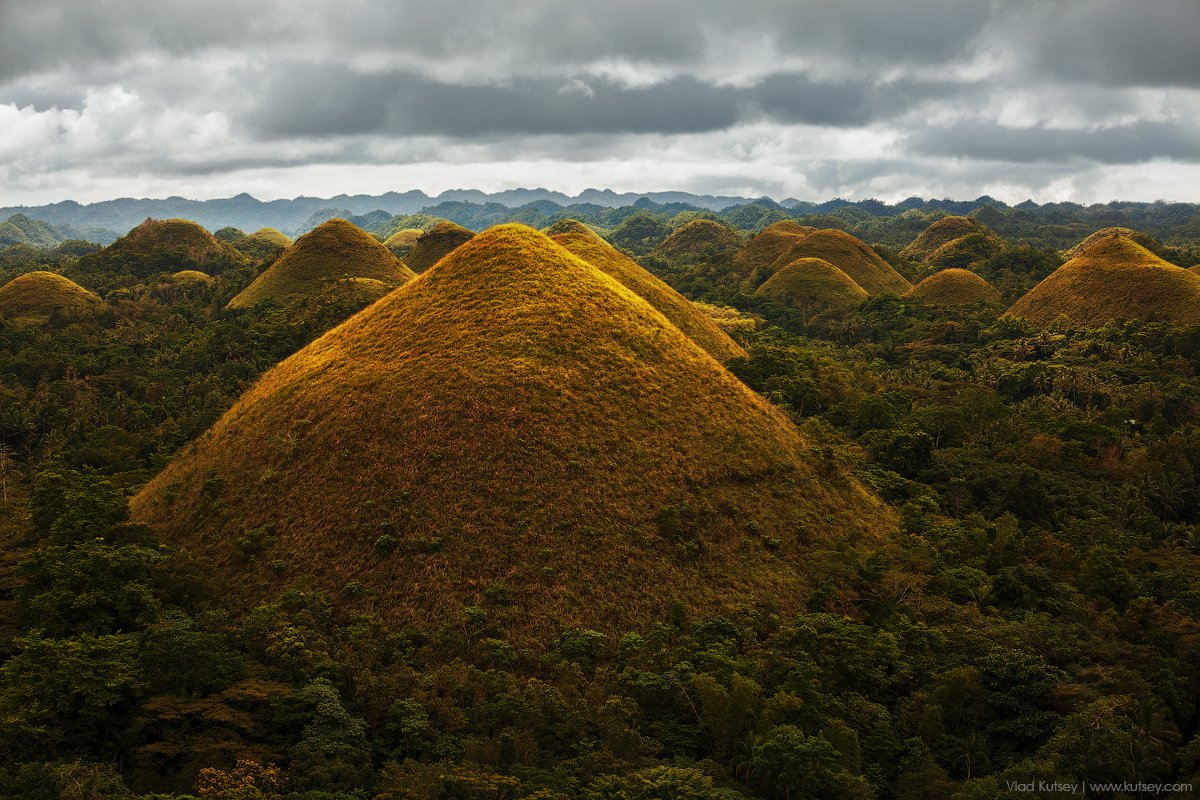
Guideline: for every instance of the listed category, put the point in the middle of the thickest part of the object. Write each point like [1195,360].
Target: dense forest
[1035,617]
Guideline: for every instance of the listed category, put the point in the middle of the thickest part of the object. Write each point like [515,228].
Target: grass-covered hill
[1099,237]
[812,285]
[188,276]
[683,313]
[156,247]
[263,244]
[767,246]
[849,254]
[953,287]
[700,240]
[1113,279]
[402,241]
[966,251]
[513,424]
[434,244]
[941,232]
[40,295]
[325,255]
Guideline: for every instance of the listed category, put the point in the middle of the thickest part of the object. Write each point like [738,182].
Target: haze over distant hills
[106,220]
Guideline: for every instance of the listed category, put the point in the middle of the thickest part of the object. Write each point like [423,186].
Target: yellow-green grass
[518,430]
[941,232]
[813,285]
[402,241]
[263,244]
[188,244]
[433,245]
[330,252]
[954,287]
[789,226]
[1114,279]
[730,319]
[846,252]
[1144,239]
[965,250]
[37,296]
[700,240]
[189,276]
[764,249]
[585,243]
[1194,268]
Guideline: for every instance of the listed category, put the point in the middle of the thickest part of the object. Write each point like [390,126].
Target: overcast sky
[1085,100]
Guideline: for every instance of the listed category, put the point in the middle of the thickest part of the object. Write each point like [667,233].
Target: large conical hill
[433,245]
[1114,279]
[585,243]
[813,285]
[701,240]
[40,295]
[846,252]
[953,287]
[327,254]
[517,430]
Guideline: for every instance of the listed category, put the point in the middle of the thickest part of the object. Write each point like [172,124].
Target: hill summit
[685,315]
[171,245]
[331,252]
[512,429]
[40,295]
[431,246]
[941,232]
[953,287]
[1113,279]
[813,285]
[846,252]
[700,240]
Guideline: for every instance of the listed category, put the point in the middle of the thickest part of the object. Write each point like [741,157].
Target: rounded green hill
[964,251]
[953,287]
[325,255]
[263,244]
[402,241]
[767,246]
[585,243]
[512,416]
[813,285]
[40,295]
[165,246]
[1114,279]
[433,245]
[701,240]
[849,254]
[941,232]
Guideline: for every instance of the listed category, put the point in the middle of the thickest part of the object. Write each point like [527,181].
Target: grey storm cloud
[808,95]
[1123,144]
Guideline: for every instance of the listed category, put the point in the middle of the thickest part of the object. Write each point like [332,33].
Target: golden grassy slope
[333,250]
[941,232]
[813,285]
[513,420]
[433,245]
[1113,280]
[700,240]
[849,254]
[953,287]
[38,295]
[585,243]
[789,226]
[1194,268]
[263,244]
[1144,239]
